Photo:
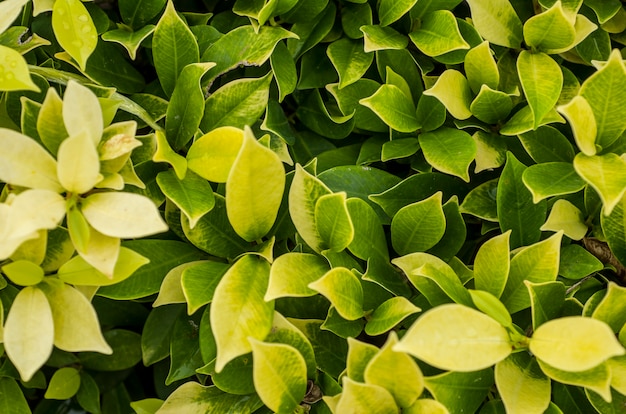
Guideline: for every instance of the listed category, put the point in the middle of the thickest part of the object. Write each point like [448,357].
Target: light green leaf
[29,332]
[284,69]
[490,151]
[457,338]
[213,155]
[343,289]
[607,99]
[524,389]
[23,272]
[165,153]
[131,40]
[391,10]
[491,306]
[174,47]
[449,150]
[365,398]
[595,343]
[612,307]
[193,194]
[580,116]
[618,373]
[74,30]
[397,372]
[452,89]
[566,217]
[377,37]
[426,406]
[492,264]
[547,144]
[124,215]
[254,189]
[238,103]
[78,165]
[333,221]
[547,300]
[597,378]
[279,372]
[481,68]
[497,22]
[418,226]
[389,314]
[64,384]
[15,74]
[399,148]
[239,311]
[551,29]
[606,174]
[171,290]
[542,80]
[359,355]
[393,107]
[349,59]
[614,228]
[536,263]
[551,178]
[147,405]
[291,274]
[438,34]
[50,130]
[193,398]
[186,106]
[199,281]
[481,201]
[523,121]
[491,106]
[460,391]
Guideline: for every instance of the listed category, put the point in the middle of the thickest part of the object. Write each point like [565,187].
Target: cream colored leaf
[82,112]
[78,166]
[101,252]
[34,210]
[9,11]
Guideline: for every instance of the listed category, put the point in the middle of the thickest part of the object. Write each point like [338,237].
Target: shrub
[325,206]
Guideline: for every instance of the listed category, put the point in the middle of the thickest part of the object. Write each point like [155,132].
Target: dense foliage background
[325,206]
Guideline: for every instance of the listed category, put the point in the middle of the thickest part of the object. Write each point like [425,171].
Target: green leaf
[521,384]
[291,274]
[577,262]
[193,195]
[551,29]
[566,217]
[547,144]
[333,221]
[29,332]
[438,34]
[15,74]
[460,391]
[213,155]
[481,201]
[146,406]
[130,40]
[78,271]
[580,116]
[523,121]
[23,272]
[12,400]
[186,106]
[315,115]
[536,263]
[491,106]
[343,289]
[238,103]
[330,350]
[551,178]
[185,355]
[426,405]
[449,150]
[391,10]
[74,30]
[64,384]
[369,238]
[199,281]
[397,372]
[157,333]
[595,343]
[611,308]
[605,10]
[50,130]
[452,89]
[171,290]
[542,80]
[389,314]
[284,69]
[126,347]
[236,377]
[606,174]
[419,226]
[174,47]
[393,107]
[614,228]
[457,338]
[481,68]
[358,397]
[547,300]
[597,379]
[491,306]
[139,12]
[279,375]
[359,355]
[377,37]
[238,310]
[193,398]
[254,189]
[497,22]
[516,210]
[492,264]
[349,59]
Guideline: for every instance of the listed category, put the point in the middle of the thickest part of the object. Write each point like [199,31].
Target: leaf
[29,332]
[551,29]
[358,397]
[547,144]
[186,106]
[239,311]
[185,355]
[481,68]
[460,391]
[343,289]
[284,69]
[580,116]
[74,30]
[607,100]
[64,384]
[542,80]
[126,346]
[78,166]
[33,210]
[15,74]
[551,178]
[389,314]
[491,106]
[333,221]
[491,306]
[9,11]
[452,89]
[547,300]
[577,262]
[130,40]
[389,10]
[213,155]
[497,22]
[23,272]
[481,201]
[376,37]
[199,282]
[174,47]
[428,406]
[438,34]
[516,210]
[597,379]
[82,113]
[605,174]
[254,189]
[492,264]
[193,195]
[614,228]
[12,400]
[522,385]
[157,333]
[566,217]
[138,13]
[279,375]
[457,338]
[419,226]
[123,215]
[393,107]
[595,343]
[238,103]
[397,372]
[611,308]
[449,150]
[349,59]
[194,398]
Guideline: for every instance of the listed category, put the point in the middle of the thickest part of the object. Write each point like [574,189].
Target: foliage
[325,206]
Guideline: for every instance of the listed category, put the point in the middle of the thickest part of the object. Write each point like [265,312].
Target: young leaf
[457,338]
[239,311]
[34,210]
[343,289]
[460,391]
[566,217]
[481,68]
[611,308]
[333,221]
[438,34]
[130,40]
[542,80]
[419,226]
[64,384]
[491,306]
[453,90]
[389,314]
[492,264]
[449,150]
[279,372]
[393,107]
[192,397]
[606,174]
[29,332]
[74,30]
[15,74]
[212,155]
[82,112]
[50,130]
[199,281]
[23,272]
[78,165]
[165,153]
[360,398]
[580,116]
[10,10]
[193,194]
[552,178]
[551,29]
[391,10]
[522,385]
[349,59]
[497,22]
[377,37]
[291,274]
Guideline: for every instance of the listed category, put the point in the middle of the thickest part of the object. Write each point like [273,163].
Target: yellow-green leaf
[9,11]
[29,332]
[51,131]
[291,274]
[165,153]
[193,194]
[212,155]
[393,107]
[82,112]
[333,221]
[23,272]
[418,226]
[453,91]
[74,29]
[575,343]
[64,384]
[349,59]
[391,10]
[426,406]
[449,150]
[497,22]
[492,264]
[597,378]
[524,389]
[359,398]
[542,80]
[580,116]
[34,210]
[78,165]
[481,68]
[606,174]
[343,289]
[551,29]
[14,74]
[100,251]
[566,217]
[457,338]
[438,34]
[389,314]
